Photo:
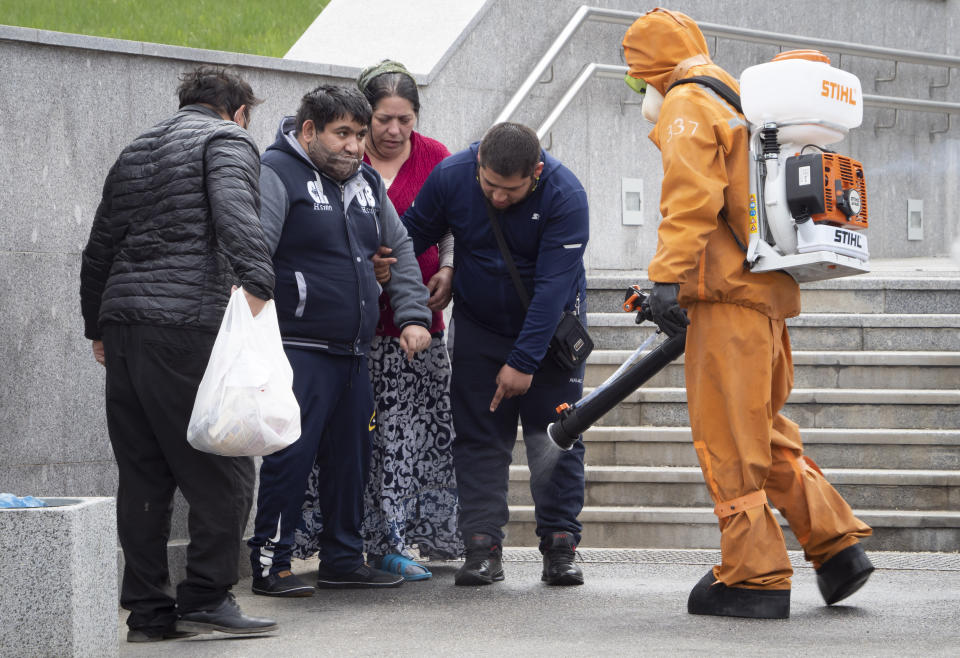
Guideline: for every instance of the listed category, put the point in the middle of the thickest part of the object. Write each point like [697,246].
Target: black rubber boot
[844,574]
[708,598]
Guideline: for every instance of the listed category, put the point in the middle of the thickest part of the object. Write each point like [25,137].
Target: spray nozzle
[635,300]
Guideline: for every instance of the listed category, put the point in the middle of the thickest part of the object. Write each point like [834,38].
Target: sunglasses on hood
[638,85]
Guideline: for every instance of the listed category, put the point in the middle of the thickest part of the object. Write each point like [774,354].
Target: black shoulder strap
[507,257]
[722,89]
[733,98]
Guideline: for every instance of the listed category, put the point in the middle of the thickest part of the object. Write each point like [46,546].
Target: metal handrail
[585,13]
[914,104]
[580,16]
[618,71]
[588,71]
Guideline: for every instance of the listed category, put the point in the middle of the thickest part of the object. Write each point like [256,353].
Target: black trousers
[482,449]
[152,378]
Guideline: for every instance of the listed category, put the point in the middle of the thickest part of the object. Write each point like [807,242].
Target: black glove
[667,314]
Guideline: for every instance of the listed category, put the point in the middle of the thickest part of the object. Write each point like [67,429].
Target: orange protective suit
[738,365]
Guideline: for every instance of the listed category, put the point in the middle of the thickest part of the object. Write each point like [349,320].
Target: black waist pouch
[571,344]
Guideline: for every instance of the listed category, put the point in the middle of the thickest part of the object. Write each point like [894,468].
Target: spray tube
[578,417]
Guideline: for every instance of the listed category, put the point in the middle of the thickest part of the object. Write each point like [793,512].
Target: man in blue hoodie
[324,216]
[501,371]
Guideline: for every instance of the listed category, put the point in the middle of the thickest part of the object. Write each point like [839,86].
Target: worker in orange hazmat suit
[738,365]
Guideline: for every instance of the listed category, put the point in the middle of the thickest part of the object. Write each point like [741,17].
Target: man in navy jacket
[501,371]
[324,216]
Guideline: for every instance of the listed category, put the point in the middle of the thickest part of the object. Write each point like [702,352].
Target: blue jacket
[546,233]
[322,234]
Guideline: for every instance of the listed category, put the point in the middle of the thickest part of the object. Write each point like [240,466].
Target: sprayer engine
[827,199]
[808,203]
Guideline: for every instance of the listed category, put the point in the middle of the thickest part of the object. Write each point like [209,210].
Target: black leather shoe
[282,583]
[711,597]
[844,574]
[226,618]
[156,635]
[484,562]
[559,566]
[363,577]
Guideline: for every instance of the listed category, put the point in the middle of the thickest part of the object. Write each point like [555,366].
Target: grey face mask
[338,166]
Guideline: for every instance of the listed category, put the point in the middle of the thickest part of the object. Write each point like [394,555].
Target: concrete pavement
[633,604]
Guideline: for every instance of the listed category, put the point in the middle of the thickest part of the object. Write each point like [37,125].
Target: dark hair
[510,149]
[218,87]
[328,103]
[386,85]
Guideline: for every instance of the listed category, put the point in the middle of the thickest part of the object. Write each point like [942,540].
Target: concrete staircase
[876,394]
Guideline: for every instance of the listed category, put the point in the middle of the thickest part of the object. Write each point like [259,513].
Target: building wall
[602,141]
[69,104]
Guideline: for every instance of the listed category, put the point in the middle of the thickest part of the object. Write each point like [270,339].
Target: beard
[339,166]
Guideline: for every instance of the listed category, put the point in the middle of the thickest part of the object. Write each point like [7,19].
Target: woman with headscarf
[411,495]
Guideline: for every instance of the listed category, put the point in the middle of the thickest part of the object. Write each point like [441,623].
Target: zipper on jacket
[346,227]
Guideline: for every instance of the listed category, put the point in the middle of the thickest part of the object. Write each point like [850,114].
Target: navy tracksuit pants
[482,449]
[336,416]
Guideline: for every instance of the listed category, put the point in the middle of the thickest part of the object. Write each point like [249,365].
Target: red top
[425,154]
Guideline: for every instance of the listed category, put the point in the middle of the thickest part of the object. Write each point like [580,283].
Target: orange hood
[662,45]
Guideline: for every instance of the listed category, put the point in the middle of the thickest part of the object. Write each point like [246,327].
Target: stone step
[834,448]
[876,358]
[696,527]
[826,408]
[907,332]
[879,292]
[682,486]
[813,331]
[840,369]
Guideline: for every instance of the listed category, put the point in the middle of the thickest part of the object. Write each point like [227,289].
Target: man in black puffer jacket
[177,227]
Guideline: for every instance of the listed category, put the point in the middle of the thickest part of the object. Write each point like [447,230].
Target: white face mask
[652,100]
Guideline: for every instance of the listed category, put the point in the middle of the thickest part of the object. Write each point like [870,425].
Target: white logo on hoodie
[316,192]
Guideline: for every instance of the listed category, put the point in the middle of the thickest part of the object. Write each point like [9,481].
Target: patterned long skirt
[411,495]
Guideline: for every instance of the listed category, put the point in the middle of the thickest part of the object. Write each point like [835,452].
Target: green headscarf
[386,66]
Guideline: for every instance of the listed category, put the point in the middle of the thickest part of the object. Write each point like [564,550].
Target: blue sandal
[398,564]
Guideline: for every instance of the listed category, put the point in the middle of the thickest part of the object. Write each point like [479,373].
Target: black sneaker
[363,576]
[226,618]
[282,583]
[484,562]
[559,566]
[844,574]
[156,634]
[711,597]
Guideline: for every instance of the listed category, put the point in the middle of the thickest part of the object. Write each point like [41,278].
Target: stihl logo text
[848,238]
[838,92]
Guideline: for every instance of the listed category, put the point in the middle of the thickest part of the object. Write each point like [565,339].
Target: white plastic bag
[245,404]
